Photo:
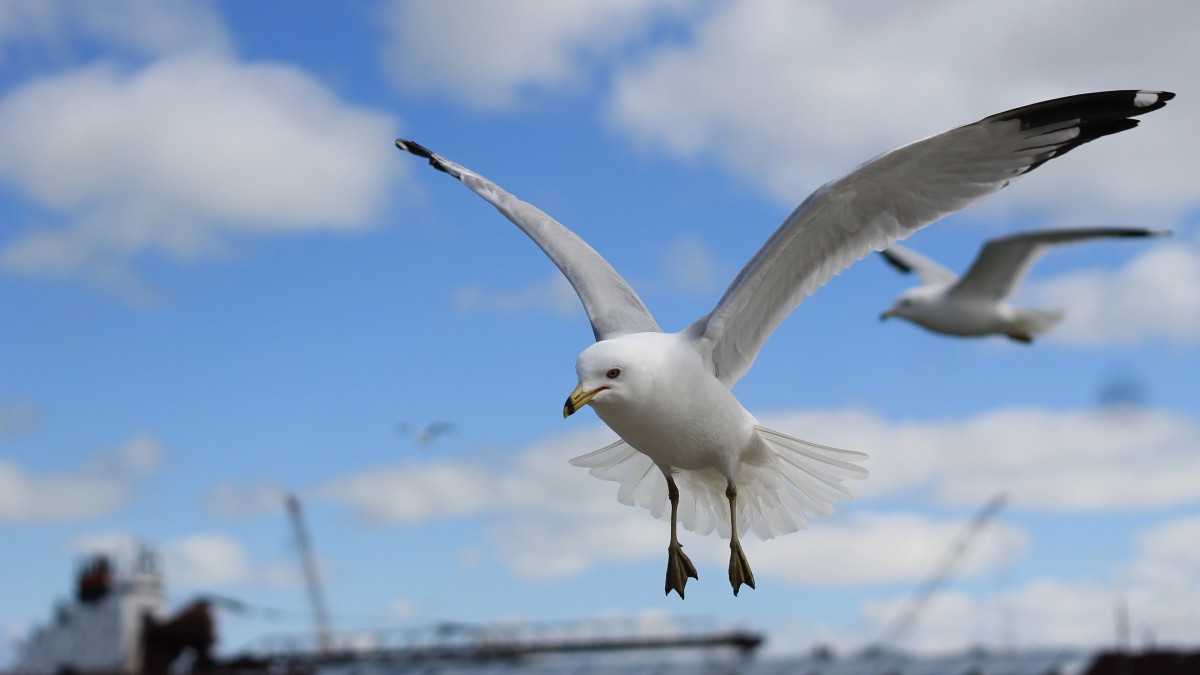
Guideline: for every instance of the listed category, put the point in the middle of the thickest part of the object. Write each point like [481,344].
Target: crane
[912,607]
[320,612]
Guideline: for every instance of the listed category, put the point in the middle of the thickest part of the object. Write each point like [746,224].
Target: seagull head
[619,371]
[913,304]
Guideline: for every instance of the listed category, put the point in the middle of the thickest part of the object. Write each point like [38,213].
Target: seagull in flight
[976,303]
[668,395]
[426,436]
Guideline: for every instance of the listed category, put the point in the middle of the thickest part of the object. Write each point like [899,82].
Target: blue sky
[220,281]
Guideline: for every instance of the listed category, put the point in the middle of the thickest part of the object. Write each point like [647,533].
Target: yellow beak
[578,399]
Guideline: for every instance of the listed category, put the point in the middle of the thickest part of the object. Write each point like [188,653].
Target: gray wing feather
[612,306]
[889,198]
[928,272]
[1002,263]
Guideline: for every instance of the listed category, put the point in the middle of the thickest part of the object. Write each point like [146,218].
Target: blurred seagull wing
[1003,262]
[907,260]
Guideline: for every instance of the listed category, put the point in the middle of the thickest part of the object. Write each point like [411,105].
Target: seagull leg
[679,568]
[739,567]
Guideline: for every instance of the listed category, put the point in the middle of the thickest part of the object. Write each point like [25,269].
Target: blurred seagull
[667,395]
[977,303]
[425,437]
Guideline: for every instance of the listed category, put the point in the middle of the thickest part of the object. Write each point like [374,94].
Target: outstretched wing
[1003,262]
[889,198]
[907,260]
[611,305]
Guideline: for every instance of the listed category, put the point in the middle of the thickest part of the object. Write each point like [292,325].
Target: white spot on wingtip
[1145,98]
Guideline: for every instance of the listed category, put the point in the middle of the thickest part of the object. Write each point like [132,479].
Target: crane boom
[895,630]
[320,612]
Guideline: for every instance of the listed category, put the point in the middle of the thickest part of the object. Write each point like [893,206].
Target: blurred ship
[117,625]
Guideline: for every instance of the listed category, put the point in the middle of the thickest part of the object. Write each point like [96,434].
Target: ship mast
[320,612]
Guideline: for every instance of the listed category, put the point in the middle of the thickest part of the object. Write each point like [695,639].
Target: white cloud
[541,478]
[1155,295]
[1159,589]
[100,486]
[492,54]
[1170,554]
[1042,613]
[554,295]
[144,27]
[791,95]
[205,560]
[232,501]
[178,156]
[543,547]
[690,265]
[415,493]
[1140,459]
[868,548]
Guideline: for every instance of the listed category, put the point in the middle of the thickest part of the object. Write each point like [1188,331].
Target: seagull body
[977,303]
[667,395]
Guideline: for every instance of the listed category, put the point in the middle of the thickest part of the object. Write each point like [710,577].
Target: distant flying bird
[976,304]
[425,437]
[667,395]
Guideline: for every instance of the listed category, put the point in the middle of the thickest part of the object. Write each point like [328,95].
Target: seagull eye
[612,374]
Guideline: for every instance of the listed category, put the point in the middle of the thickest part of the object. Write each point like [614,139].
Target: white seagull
[976,304]
[667,395]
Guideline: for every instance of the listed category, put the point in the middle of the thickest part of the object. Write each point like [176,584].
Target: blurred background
[221,284]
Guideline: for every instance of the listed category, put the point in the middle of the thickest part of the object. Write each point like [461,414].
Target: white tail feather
[1038,321]
[779,484]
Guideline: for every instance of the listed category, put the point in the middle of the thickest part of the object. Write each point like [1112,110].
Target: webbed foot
[679,568]
[739,567]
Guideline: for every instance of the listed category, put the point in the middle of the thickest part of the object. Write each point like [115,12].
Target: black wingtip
[895,261]
[415,148]
[1143,232]
[1096,115]
[1096,107]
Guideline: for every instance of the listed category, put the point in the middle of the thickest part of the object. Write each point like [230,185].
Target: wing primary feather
[890,197]
[611,304]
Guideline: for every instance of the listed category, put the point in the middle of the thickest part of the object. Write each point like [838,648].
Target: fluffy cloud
[100,486]
[1155,295]
[791,94]
[1115,459]
[175,157]
[144,27]
[417,492]
[690,265]
[868,548]
[205,560]
[553,295]
[233,501]
[182,146]
[490,55]
[1158,588]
